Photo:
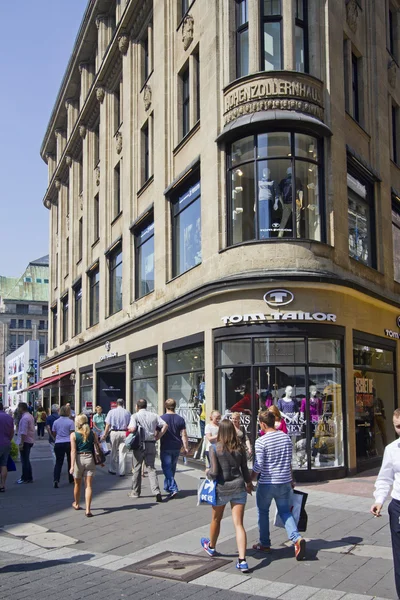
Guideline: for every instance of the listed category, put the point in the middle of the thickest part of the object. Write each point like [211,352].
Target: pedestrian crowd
[227,450]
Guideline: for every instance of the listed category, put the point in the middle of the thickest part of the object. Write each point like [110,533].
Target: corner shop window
[274,187]
[145,381]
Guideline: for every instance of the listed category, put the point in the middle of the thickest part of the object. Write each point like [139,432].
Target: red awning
[46,382]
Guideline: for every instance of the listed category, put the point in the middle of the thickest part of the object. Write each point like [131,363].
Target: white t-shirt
[212,430]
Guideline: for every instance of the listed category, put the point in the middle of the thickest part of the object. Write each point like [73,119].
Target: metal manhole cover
[176,565]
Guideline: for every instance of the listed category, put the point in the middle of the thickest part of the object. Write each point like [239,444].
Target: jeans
[61,449]
[169,460]
[281,493]
[25,462]
[148,456]
[394,522]
[40,429]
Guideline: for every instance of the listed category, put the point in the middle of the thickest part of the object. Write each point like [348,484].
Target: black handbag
[98,454]
[303,519]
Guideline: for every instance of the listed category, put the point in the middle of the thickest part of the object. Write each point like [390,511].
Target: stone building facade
[225,225]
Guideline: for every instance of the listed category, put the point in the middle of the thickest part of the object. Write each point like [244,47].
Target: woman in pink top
[279,421]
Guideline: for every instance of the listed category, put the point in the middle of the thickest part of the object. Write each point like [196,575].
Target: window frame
[96,218]
[117,209]
[270,19]
[138,231]
[65,318]
[240,29]
[185,101]
[368,180]
[396,210]
[54,327]
[94,295]
[319,163]
[113,265]
[355,87]
[303,24]
[190,182]
[77,291]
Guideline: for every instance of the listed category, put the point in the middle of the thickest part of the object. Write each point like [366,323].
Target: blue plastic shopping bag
[207,492]
[11,464]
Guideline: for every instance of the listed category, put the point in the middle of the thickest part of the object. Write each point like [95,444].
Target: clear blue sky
[36,41]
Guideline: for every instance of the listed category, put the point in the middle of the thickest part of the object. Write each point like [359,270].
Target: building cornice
[214,289]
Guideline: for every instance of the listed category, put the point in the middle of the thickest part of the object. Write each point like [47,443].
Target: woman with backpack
[229,468]
[82,461]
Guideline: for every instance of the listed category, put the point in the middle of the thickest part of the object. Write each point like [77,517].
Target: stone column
[72,114]
[86,70]
[61,142]
[51,165]
[288,36]
[105,25]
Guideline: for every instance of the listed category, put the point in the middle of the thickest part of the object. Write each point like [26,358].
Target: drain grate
[176,565]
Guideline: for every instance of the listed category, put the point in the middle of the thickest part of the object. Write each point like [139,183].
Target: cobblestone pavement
[349,553]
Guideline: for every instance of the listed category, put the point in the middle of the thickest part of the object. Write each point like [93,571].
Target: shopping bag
[104,447]
[207,492]
[11,464]
[297,506]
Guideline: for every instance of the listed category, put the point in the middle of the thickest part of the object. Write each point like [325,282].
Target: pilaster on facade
[72,108]
[61,138]
[105,24]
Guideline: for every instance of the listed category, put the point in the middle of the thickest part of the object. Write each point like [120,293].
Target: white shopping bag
[297,499]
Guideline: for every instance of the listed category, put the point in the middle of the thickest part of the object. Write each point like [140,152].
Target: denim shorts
[239,497]
[4,452]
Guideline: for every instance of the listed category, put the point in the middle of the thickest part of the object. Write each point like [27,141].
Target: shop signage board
[108,354]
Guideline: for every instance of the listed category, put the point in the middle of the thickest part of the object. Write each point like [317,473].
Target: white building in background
[19,375]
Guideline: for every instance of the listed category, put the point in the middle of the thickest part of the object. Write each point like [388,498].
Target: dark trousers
[394,522]
[40,429]
[26,463]
[60,450]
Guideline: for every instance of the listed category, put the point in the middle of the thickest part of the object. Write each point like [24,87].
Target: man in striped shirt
[273,468]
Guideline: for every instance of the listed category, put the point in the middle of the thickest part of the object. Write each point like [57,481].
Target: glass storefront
[185,384]
[374,392]
[145,382]
[301,376]
[86,385]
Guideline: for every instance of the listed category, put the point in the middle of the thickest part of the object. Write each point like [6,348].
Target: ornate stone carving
[392,73]
[81,201]
[59,132]
[57,183]
[187,31]
[147,97]
[69,102]
[97,175]
[100,93]
[68,160]
[67,222]
[101,19]
[50,156]
[47,203]
[82,131]
[305,107]
[123,43]
[352,14]
[82,66]
[118,142]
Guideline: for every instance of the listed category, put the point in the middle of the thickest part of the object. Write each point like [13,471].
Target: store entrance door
[111,385]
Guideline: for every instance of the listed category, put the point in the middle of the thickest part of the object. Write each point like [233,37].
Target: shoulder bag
[98,454]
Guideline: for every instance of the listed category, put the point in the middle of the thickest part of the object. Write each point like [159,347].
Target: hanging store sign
[109,354]
[394,335]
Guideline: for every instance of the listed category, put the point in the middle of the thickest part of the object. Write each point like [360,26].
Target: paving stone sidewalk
[349,555]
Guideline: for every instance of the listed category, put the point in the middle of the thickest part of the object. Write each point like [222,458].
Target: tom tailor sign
[279,316]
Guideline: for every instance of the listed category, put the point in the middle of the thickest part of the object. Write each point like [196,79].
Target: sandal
[260,548]
[75,507]
[89,514]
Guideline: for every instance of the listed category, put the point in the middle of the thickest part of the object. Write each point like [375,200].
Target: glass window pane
[308,218]
[373,358]
[186,359]
[242,17]
[299,49]
[300,10]
[186,390]
[188,238]
[242,150]
[359,221]
[272,8]
[147,389]
[273,145]
[233,352]
[145,368]
[396,243]
[272,46]
[279,350]
[146,267]
[324,351]
[326,417]
[305,146]
[243,203]
[273,215]
[243,53]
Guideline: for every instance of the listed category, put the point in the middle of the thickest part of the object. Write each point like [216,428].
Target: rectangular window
[20,323]
[78,308]
[96,145]
[96,218]
[271,46]
[355,87]
[54,323]
[392,34]
[94,285]
[117,190]
[45,309]
[144,264]
[13,342]
[146,152]
[42,325]
[184,7]
[22,309]
[301,37]
[20,339]
[80,176]
[115,280]
[242,38]
[86,390]
[145,380]
[80,239]
[395,125]
[146,58]
[196,74]
[65,312]
[66,256]
[28,324]
[42,345]
[13,324]
[185,102]
[396,237]
[361,218]
[118,106]
[186,227]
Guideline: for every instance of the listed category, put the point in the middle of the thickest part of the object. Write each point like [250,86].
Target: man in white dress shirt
[117,422]
[389,477]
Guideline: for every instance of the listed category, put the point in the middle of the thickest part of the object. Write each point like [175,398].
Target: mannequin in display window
[315,404]
[380,417]
[289,408]
[268,193]
[286,189]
